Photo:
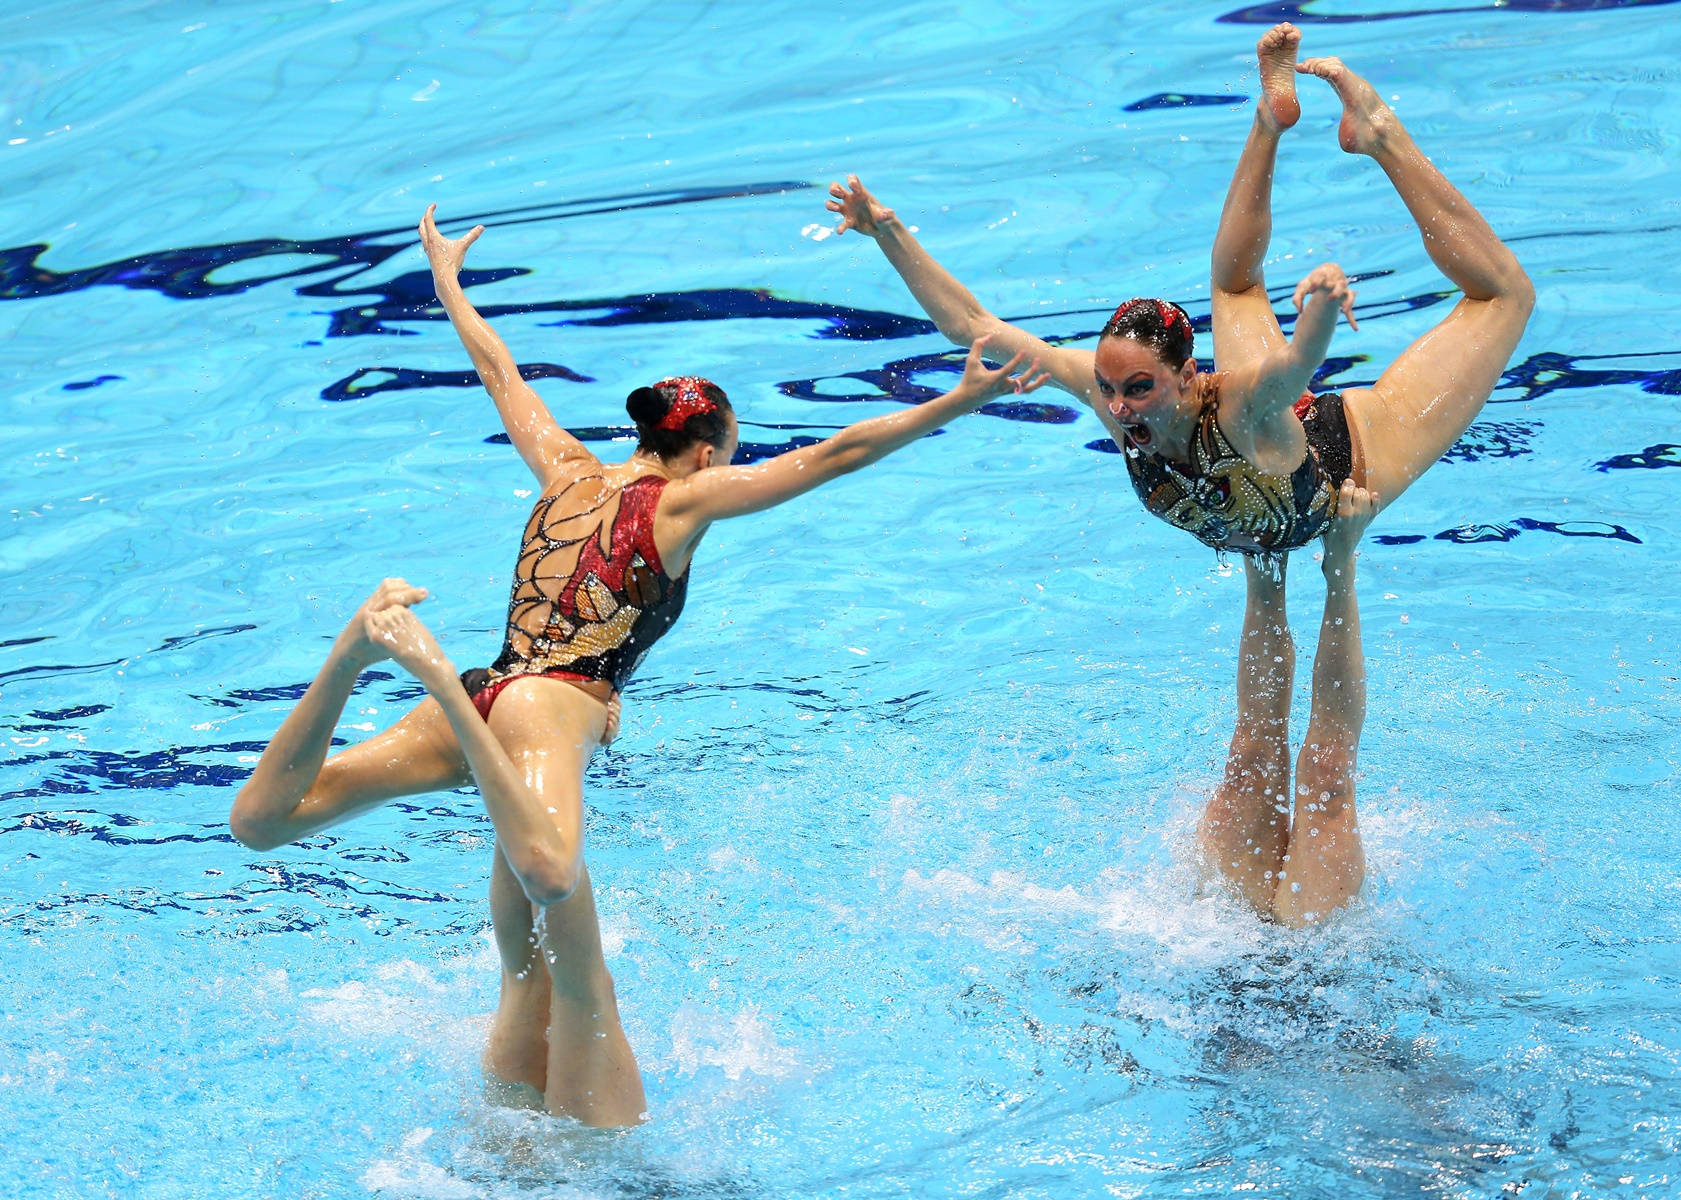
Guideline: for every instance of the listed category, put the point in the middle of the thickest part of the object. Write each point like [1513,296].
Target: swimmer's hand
[1355,509]
[857,208]
[612,729]
[1328,281]
[445,255]
[981,383]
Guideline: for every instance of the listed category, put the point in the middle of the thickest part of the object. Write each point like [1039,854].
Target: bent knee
[252,832]
[1514,290]
[546,879]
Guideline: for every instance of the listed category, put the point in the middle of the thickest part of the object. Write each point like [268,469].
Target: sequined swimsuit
[578,611]
[1227,503]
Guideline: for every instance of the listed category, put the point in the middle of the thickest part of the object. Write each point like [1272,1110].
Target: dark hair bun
[650,408]
[646,406]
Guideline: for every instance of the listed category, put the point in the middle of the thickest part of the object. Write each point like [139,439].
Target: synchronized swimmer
[1245,460]
[601,574]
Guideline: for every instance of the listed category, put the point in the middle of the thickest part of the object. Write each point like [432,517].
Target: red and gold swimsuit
[590,595]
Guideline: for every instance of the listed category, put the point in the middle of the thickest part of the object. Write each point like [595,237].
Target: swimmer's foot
[1355,509]
[362,643]
[1367,122]
[410,645]
[1278,109]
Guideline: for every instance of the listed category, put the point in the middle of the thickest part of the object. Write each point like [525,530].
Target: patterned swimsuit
[1229,504]
[579,611]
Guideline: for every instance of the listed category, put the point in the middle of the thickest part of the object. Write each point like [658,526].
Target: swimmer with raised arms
[601,574]
[1247,459]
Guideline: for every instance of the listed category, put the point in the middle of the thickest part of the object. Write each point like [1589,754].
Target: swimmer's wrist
[888,223]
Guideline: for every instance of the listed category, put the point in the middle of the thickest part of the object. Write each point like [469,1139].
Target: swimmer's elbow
[963,326]
[257,829]
[1523,292]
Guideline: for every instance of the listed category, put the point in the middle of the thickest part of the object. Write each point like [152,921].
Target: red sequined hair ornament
[691,401]
[1169,313]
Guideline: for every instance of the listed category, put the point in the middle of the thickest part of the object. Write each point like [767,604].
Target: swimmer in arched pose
[601,574]
[1245,459]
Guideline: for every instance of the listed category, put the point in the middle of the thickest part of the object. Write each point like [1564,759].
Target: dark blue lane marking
[1544,373]
[171,643]
[1469,535]
[1664,454]
[184,274]
[1493,439]
[371,380]
[83,384]
[1176,100]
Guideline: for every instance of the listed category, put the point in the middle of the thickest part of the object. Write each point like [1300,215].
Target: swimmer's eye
[1139,387]
[1105,388]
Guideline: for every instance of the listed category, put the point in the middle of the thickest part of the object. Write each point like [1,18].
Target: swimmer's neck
[644,462]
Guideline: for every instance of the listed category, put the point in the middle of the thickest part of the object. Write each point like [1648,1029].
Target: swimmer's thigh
[418,754]
[1425,400]
[1245,327]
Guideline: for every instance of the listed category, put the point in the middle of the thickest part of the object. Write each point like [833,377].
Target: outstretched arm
[693,503]
[1264,391]
[950,305]
[541,442]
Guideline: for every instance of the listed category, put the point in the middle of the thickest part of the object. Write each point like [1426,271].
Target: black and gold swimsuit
[1227,503]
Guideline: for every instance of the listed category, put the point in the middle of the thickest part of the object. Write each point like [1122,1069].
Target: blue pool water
[892,854]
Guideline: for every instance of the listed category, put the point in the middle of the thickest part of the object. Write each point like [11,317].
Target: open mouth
[1138,435]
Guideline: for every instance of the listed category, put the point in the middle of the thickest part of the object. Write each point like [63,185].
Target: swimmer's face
[1141,391]
[723,455]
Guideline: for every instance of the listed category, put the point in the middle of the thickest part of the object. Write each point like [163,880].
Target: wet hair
[674,414]
[1159,324]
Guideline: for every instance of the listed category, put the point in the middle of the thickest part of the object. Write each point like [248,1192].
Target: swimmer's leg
[1425,400]
[592,1073]
[551,730]
[1245,327]
[516,1060]
[1327,863]
[1245,828]
[296,790]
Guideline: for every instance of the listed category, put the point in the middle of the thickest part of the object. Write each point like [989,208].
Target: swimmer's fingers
[1032,379]
[857,208]
[614,711]
[1299,296]
[1327,280]
[440,250]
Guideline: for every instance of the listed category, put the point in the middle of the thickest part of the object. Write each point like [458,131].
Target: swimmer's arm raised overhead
[951,306]
[541,442]
[1261,394]
[694,502]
